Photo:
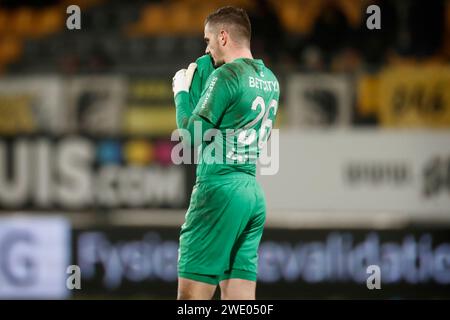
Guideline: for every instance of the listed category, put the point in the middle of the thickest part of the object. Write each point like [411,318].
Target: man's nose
[207,50]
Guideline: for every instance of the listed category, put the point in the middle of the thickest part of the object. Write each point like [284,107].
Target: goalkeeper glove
[183,78]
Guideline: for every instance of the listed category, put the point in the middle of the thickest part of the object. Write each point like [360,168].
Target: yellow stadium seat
[4,22]
[83,4]
[22,21]
[353,10]
[153,21]
[206,9]
[49,20]
[180,18]
[10,49]
[298,16]
[198,20]
[290,16]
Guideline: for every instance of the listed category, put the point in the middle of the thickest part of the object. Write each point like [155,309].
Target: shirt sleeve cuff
[182,99]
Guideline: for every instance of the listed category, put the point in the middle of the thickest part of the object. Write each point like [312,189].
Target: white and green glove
[183,78]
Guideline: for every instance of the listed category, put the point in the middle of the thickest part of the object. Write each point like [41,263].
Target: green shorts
[223,227]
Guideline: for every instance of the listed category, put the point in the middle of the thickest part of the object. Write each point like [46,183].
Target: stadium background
[86,176]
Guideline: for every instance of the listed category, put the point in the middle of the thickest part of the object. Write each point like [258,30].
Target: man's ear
[223,37]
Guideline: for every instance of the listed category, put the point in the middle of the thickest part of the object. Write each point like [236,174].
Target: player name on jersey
[263,84]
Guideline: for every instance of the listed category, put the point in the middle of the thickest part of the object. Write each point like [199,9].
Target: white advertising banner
[74,172]
[34,256]
[361,170]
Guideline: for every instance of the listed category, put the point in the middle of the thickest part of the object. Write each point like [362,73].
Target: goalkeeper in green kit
[235,97]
